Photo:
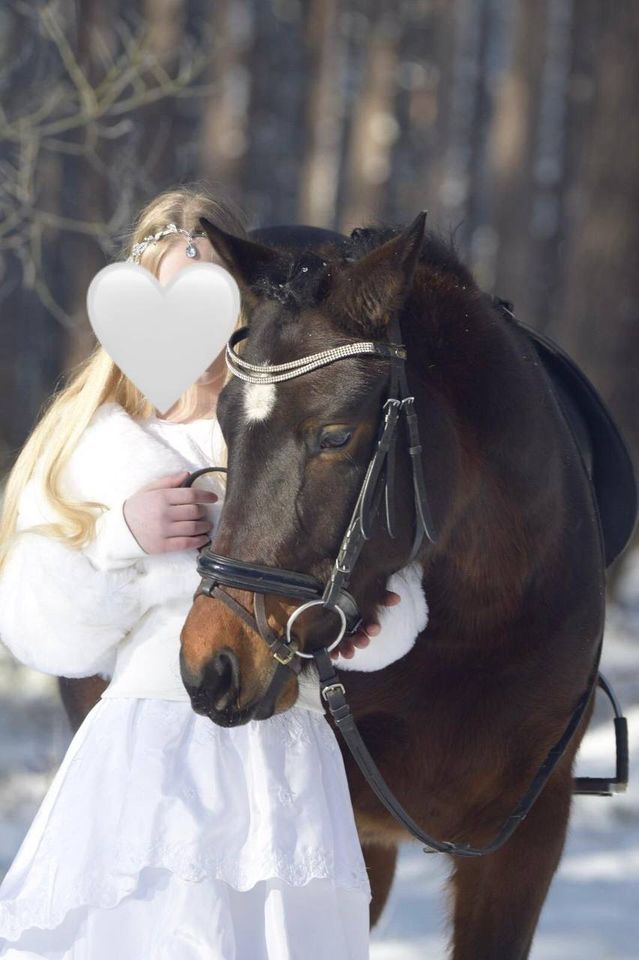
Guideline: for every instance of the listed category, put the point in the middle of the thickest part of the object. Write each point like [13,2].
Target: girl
[163,835]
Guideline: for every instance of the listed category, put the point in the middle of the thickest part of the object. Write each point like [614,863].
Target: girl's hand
[162,516]
[359,639]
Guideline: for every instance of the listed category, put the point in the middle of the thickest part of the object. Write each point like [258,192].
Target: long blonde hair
[97,380]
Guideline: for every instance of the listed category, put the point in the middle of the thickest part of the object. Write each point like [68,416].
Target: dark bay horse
[515,581]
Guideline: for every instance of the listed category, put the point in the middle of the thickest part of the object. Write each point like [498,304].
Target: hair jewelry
[170,229]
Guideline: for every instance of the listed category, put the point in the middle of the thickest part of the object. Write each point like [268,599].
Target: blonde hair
[97,380]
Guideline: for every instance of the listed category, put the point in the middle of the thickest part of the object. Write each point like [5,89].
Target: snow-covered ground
[592,911]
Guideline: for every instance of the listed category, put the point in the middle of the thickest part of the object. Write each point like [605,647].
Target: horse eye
[335,439]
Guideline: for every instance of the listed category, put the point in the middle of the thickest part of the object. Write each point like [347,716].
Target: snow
[592,910]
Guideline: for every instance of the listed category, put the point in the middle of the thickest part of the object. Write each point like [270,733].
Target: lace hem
[102,891]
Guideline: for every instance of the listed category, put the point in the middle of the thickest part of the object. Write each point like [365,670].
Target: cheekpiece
[169,230]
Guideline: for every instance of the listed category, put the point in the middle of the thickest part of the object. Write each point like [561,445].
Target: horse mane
[305,279]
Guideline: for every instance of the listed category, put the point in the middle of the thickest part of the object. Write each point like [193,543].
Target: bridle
[381,468]
[379,479]
[217,571]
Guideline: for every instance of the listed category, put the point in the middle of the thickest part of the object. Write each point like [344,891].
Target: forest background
[515,123]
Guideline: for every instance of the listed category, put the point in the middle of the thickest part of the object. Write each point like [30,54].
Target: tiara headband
[170,229]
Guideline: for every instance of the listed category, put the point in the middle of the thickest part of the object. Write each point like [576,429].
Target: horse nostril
[189,678]
[221,681]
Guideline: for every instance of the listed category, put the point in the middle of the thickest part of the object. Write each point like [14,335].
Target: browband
[264,373]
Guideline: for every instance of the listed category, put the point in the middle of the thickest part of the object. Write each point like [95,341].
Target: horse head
[299,449]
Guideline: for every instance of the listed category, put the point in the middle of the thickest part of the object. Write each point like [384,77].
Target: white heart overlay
[163,337]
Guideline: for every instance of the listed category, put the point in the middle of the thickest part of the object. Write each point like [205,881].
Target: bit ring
[305,606]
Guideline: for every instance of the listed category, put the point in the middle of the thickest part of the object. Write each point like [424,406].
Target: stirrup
[606,786]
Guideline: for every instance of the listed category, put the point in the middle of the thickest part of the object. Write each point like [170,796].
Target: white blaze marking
[259,400]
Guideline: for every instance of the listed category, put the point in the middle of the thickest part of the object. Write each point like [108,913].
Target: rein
[217,571]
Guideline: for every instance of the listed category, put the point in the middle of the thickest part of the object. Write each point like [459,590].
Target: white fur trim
[64,611]
[168,577]
[60,615]
[113,545]
[115,457]
[400,625]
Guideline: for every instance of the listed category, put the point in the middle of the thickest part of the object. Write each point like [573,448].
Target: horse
[513,566]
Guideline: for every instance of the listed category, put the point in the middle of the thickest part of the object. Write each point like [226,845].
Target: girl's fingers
[391,598]
[184,543]
[180,495]
[359,639]
[347,651]
[343,649]
[191,528]
[187,511]
[365,634]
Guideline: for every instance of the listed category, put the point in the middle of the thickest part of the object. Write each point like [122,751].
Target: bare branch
[82,85]
[34,278]
[71,116]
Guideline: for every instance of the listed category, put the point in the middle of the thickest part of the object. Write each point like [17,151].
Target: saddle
[603,449]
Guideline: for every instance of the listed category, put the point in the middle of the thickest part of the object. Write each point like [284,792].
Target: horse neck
[498,487]
[483,565]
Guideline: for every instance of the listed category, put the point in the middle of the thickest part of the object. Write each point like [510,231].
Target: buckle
[333,686]
[288,656]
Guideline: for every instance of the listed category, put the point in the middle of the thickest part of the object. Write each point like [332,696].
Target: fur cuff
[400,625]
[170,576]
[114,545]
[60,615]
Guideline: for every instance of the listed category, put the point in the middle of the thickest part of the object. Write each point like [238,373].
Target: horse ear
[254,266]
[372,289]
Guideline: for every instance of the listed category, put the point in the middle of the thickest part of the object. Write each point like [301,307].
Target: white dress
[166,837]
[162,835]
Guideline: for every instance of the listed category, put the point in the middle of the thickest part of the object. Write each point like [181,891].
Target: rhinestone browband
[294,368]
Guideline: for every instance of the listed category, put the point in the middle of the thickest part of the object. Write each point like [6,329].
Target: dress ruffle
[168,918]
[150,784]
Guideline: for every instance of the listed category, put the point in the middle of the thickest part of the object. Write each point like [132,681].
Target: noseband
[217,570]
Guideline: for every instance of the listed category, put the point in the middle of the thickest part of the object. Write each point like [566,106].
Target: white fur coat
[66,612]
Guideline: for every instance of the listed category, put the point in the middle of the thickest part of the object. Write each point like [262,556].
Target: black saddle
[605,454]
[602,447]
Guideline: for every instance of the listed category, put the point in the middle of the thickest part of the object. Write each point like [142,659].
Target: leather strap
[333,692]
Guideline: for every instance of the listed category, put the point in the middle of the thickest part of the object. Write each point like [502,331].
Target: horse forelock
[306,281]
[291,320]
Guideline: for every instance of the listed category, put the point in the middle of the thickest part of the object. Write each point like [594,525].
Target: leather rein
[217,571]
